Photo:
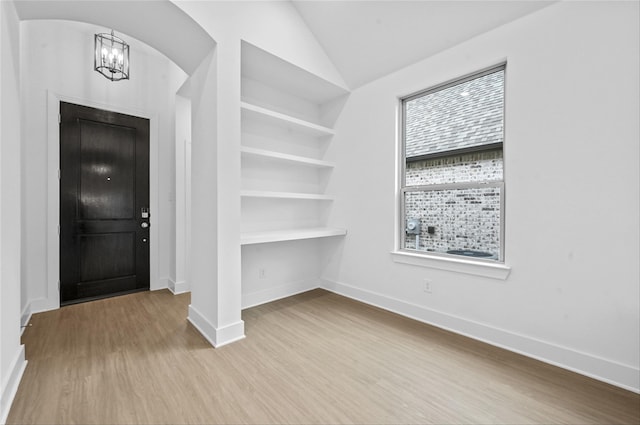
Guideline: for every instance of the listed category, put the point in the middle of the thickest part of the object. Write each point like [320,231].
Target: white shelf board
[260,114]
[245,150]
[263,66]
[248,238]
[284,195]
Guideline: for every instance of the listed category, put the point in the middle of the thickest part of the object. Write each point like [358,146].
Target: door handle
[144,225]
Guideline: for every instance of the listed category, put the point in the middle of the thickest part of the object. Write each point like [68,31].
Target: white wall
[572,186]
[277,270]
[58,59]
[12,359]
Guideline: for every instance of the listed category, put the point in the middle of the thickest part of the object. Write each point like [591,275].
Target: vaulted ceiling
[369,39]
[365,39]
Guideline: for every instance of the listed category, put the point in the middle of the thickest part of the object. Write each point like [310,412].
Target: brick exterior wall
[463,218]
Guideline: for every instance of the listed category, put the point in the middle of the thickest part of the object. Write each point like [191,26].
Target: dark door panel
[107,173]
[107,256]
[87,291]
[104,187]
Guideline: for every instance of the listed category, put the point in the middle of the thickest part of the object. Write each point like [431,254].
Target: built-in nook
[287,119]
[287,116]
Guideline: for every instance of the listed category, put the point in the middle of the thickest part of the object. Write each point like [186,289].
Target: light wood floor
[312,358]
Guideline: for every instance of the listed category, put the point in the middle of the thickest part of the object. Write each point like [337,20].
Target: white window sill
[460,265]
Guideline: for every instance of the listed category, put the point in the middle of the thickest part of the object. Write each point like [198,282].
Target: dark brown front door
[104,202]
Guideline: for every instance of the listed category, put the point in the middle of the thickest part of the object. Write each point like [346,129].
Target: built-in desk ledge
[460,265]
[248,238]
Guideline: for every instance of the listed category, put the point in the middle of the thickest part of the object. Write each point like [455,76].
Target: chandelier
[111,57]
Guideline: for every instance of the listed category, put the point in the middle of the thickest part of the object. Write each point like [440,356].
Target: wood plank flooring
[313,358]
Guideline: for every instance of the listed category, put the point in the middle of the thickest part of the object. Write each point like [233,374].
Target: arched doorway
[131,19]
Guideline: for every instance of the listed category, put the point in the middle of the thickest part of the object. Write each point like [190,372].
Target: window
[452,185]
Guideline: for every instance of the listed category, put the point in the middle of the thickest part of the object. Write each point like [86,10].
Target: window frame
[403,189]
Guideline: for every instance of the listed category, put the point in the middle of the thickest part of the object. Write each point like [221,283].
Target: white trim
[611,372]
[285,195]
[180,287]
[460,265]
[217,337]
[52,298]
[272,294]
[9,387]
[248,238]
[230,333]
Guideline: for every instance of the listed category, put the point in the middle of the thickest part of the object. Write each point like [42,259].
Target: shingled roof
[463,116]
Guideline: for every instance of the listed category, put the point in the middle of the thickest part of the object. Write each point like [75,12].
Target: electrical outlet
[428,286]
[262,274]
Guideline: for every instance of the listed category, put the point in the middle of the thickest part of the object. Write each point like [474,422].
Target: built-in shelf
[267,116]
[283,157]
[249,238]
[284,195]
[263,66]
[287,118]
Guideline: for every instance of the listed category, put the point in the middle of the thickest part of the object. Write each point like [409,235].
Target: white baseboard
[216,336]
[272,294]
[620,375]
[10,386]
[179,287]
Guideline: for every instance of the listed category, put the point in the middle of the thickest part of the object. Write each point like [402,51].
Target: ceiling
[132,18]
[370,39]
[365,39]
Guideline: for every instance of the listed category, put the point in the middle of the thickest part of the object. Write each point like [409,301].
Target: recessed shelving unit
[287,118]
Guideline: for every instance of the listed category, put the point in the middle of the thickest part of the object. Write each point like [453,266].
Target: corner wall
[179,268]
[12,359]
[572,184]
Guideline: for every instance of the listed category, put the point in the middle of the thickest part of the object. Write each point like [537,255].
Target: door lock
[144,225]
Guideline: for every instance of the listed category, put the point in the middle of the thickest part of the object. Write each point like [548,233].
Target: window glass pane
[469,167]
[455,221]
[467,115]
[453,160]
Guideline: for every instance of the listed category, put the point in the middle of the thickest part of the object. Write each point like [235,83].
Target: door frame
[52,299]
